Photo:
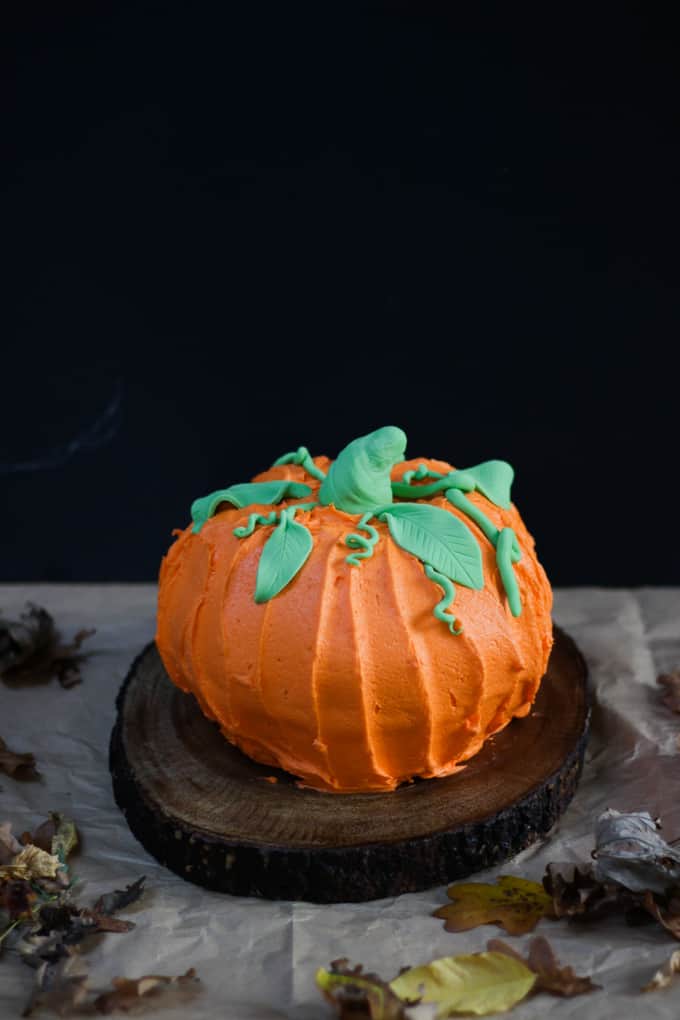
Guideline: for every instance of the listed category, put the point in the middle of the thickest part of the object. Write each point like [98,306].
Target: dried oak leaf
[356,995]
[128,993]
[17,765]
[32,650]
[664,975]
[515,904]
[111,903]
[671,684]
[550,977]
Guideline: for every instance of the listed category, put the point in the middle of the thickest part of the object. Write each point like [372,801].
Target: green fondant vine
[303,457]
[358,482]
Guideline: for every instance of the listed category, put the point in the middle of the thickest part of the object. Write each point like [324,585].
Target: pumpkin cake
[358,622]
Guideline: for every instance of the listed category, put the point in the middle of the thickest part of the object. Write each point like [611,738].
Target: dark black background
[234,229]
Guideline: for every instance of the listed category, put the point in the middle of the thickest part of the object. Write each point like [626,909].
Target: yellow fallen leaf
[516,904]
[664,975]
[482,983]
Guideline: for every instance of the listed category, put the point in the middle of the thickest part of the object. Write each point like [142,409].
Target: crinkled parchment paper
[257,959]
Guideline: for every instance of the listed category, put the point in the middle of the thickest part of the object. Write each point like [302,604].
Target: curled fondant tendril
[355,541]
[454,480]
[447,587]
[422,471]
[254,520]
[303,457]
[504,558]
[300,506]
[261,520]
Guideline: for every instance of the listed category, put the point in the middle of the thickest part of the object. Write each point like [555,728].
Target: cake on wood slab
[358,622]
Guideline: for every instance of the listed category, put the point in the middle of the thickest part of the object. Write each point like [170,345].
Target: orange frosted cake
[358,622]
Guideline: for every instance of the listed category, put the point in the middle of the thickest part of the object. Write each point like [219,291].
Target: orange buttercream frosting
[346,678]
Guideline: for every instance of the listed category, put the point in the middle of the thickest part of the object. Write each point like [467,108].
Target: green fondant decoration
[303,457]
[461,502]
[358,482]
[283,554]
[359,542]
[449,594]
[492,533]
[504,558]
[254,521]
[455,479]
[494,480]
[422,471]
[258,520]
[244,495]
[436,537]
[359,479]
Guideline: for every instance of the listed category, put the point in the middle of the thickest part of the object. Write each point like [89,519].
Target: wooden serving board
[212,815]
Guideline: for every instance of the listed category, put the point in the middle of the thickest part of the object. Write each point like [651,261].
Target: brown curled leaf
[17,898]
[578,895]
[664,975]
[671,685]
[127,992]
[550,976]
[60,986]
[33,651]
[9,844]
[44,834]
[17,765]
[666,910]
[111,903]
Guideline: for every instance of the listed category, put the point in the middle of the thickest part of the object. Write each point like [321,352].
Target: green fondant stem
[504,558]
[462,503]
[449,594]
[359,477]
[303,457]
[359,542]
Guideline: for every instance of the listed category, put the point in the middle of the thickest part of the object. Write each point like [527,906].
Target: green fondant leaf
[239,496]
[439,538]
[493,479]
[284,552]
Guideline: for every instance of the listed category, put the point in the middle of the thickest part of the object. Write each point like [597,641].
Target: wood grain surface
[212,815]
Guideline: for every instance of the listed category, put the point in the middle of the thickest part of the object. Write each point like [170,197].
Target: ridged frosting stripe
[338,680]
[398,723]
[209,629]
[289,651]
